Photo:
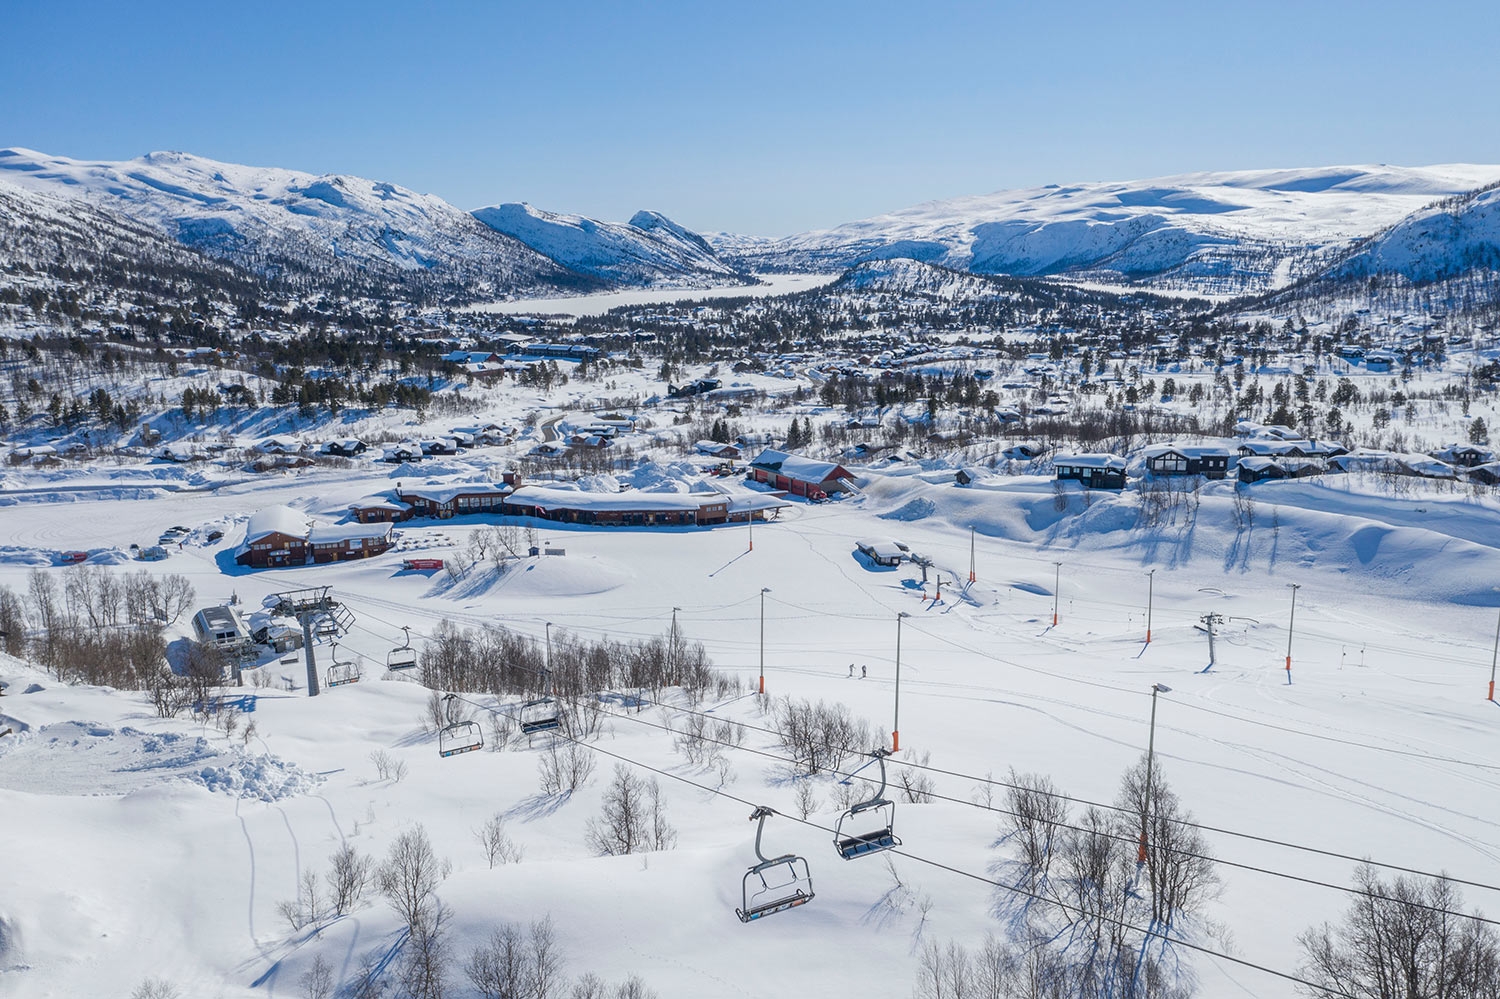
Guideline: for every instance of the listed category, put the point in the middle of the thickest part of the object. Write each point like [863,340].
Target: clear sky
[760,117]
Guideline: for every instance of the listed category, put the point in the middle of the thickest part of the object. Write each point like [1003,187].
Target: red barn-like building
[799,475]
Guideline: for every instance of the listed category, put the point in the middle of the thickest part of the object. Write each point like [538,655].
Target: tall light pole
[972,576]
[896,720]
[1494,657]
[1140,853]
[763,591]
[1150,592]
[750,520]
[1290,623]
[1056,585]
[672,641]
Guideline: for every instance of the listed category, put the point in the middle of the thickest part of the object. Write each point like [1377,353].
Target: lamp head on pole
[1160,688]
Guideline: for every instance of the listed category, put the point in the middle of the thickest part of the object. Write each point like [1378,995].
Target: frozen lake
[597,305]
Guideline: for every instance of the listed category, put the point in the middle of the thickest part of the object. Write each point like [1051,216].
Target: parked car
[215,535]
[74,558]
[153,554]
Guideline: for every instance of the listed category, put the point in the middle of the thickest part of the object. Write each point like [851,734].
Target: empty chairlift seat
[868,826]
[541,715]
[459,737]
[402,656]
[343,670]
[772,884]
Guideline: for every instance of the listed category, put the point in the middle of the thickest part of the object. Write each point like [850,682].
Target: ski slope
[1380,746]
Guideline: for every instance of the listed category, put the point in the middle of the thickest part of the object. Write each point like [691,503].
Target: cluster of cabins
[1275,456]
[281,536]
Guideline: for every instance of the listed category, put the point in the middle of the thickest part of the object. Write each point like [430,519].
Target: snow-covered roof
[449,491]
[546,498]
[1112,461]
[379,503]
[1186,450]
[276,520]
[796,466]
[327,534]
[886,549]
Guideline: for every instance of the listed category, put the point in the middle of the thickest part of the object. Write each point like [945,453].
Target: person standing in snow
[864,671]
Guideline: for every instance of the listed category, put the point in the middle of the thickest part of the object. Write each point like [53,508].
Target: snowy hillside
[651,249]
[276,221]
[1440,241]
[73,243]
[1216,231]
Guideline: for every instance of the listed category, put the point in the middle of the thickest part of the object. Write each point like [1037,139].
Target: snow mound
[917,509]
[88,758]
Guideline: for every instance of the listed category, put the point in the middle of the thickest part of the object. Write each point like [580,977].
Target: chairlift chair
[540,715]
[784,882]
[342,671]
[402,656]
[459,737]
[876,816]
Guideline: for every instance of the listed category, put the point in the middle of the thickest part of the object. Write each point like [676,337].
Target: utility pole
[750,520]
[972,576]
[1290,623]
[1494,657]
[1151,592]
[548,629]
[1056,585]
[896,719]
[1156,688]
[763,591]
[672,642]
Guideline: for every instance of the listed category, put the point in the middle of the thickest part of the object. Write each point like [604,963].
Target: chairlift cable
[1112,836]
[1146,932]
[1197,825]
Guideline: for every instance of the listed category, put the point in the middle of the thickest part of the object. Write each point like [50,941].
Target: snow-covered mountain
[649,250]
[55,243]
[1240,231]
[1440,241]
[361,232]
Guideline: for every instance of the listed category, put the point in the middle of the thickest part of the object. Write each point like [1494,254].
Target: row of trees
[97,627]
[495,660]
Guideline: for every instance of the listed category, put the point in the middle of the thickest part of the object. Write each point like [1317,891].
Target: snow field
[1382,745]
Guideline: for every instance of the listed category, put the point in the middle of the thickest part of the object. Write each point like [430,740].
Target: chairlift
[876,815]
[784,882]
[541,715]
[402,656]
[459,736]
[342,671]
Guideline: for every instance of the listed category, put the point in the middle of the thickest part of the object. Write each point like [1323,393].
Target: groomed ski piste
[137,847]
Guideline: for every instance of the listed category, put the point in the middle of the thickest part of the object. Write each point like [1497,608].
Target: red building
[800,476]
[275,536]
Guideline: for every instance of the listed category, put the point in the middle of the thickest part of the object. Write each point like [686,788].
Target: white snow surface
[1200,225]
[649,249]
[141,847]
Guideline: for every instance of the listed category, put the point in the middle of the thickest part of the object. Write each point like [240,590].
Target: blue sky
[764,117]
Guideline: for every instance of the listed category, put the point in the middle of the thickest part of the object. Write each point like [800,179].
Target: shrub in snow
[633,819]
